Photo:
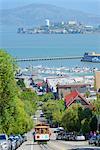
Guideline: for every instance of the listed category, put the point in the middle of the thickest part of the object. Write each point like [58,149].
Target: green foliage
[79,119]
[22,120]
[96,111]
[85,125]
[87,94]
[21,83]
[13,116]
[30,100]
[46,97]
[71,120]
[93,123]
[96,104]
[54,110]
[87,113]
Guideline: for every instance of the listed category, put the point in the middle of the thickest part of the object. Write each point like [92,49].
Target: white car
[5,143]
[80,138]
[1,147]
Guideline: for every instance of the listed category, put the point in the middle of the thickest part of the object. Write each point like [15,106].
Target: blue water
[41,45]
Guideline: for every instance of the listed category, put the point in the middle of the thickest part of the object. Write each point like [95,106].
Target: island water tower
[47,22]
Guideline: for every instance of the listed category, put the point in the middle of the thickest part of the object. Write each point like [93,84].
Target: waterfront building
[97,80]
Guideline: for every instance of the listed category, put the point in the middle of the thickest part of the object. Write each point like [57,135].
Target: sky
[91,6]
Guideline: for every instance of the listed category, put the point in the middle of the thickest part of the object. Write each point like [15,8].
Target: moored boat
[91,57]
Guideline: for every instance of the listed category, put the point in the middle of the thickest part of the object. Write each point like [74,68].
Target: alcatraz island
[70,27]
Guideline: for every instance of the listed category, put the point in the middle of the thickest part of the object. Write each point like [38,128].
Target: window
[2,137]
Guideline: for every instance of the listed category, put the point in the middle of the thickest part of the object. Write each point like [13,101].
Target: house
[64,90]
[76,97]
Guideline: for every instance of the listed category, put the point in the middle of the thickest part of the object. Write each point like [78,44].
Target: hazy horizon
[90,6]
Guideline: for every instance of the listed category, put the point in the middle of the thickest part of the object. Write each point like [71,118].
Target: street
[53,144]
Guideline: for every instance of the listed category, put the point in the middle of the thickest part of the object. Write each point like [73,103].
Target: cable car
[42,133]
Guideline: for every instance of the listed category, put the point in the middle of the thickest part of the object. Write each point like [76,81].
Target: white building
[72,22]
[47,22]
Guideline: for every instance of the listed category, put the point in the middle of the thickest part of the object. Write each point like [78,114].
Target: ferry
[91,57]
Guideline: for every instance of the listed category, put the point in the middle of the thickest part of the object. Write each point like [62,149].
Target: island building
[72,22]
[47,22]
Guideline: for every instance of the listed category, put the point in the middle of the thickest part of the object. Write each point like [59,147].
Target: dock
[46,58]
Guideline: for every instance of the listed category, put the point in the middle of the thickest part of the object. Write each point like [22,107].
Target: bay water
[45,45]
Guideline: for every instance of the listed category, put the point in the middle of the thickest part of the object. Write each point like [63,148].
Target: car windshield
[2,137]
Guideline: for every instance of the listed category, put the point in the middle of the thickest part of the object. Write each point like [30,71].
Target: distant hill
[35,14]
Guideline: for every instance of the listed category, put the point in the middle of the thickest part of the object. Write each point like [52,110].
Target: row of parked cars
[95,140]
[70,137]
[12,142]
[61,134]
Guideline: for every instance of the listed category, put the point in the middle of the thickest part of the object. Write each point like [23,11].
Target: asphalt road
[53,144]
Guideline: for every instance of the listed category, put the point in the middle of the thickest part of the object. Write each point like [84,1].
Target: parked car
[59,137]
[56,130]
[97,142]
[92,140]
[5,142]
[20,138]
[13,142]
[80,138]
[69,136]
[24,137]
[16,137]
[64,136]
[1,147]
[59,129]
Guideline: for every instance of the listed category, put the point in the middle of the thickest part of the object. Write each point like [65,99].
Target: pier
[46,58]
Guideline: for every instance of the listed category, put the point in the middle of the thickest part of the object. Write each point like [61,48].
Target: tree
[54,111]
[30,100]
[87,93]
[47,96]
[13,117]
[85,126]
[21,84]
[71,120]
[93,123]
[96,111]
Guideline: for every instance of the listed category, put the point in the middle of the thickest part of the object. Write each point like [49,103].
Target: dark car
[97,142]
[17,140]
[92,140]
[59,137]
[24,137]
[13,142]
[70,136]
